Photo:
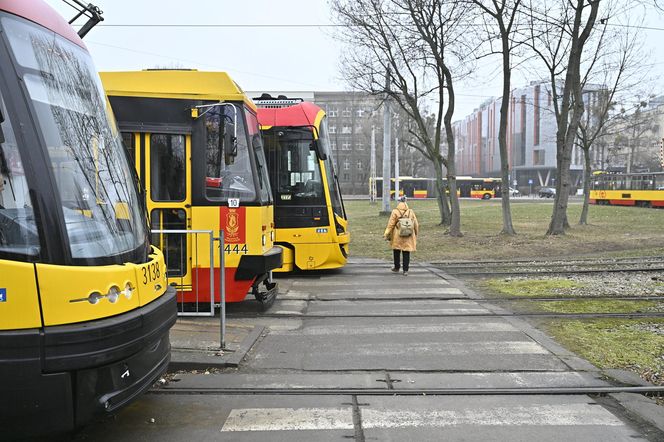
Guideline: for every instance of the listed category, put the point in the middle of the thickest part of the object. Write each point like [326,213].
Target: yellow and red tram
[628,189]
[310,219]
[85,309]
[196,144]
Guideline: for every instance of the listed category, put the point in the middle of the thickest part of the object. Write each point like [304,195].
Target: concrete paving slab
[491,418]
[281,380]
[195,343]
[396,308]
[643,407]
[409,381]
[175,418]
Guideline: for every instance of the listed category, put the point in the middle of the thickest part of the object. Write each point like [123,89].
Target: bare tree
[559,31]
[615,67]
[502,26]
[419,42]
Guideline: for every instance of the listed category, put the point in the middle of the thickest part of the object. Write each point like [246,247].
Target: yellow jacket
[405,243]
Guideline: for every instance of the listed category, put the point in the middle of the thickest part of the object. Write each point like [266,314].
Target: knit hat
[402,199]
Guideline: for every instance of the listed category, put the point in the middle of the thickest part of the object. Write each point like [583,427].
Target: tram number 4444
[236,249]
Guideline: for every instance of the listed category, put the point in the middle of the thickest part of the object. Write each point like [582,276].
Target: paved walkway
[352,354]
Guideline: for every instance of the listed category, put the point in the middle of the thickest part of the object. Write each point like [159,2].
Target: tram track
[584,261]
[531,272]
[635,315]
[482,391]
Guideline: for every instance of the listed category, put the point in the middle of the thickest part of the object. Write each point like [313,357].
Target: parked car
[514,192]
[547,192]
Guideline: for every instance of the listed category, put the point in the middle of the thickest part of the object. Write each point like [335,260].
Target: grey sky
[259,58]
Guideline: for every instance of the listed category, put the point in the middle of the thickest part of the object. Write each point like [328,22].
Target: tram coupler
[265,291]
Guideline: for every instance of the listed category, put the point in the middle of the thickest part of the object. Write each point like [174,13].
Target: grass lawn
[614,231]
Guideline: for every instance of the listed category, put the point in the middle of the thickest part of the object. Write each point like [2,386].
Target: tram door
[167,180]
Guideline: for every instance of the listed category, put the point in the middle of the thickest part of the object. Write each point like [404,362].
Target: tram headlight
[128,291]
[272,235]
[94,297]
[263,240]
[113,294]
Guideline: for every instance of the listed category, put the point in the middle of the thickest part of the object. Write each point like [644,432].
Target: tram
[196,144]
[627,189]
[85,309]
[468,187]
[310,219]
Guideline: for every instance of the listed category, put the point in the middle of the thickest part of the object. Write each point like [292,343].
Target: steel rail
[482,300]
[542,260]
[559,272]
[637,315]
[547,264]
[414,392]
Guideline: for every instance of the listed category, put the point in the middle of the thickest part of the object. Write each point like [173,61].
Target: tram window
[226,175]
[173,245]
[18,232]
[99,202]
[168,178]
[129,145]
[259,156]
[659,182]
[330,175]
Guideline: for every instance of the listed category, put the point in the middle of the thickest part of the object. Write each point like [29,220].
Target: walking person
[402,229]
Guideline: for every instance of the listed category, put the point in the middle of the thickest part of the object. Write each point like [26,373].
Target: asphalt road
[365,329]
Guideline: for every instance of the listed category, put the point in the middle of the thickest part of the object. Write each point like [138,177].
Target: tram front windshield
[92,176]
[296,179]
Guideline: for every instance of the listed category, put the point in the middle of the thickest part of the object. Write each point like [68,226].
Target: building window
[345,113]
[345,146]
[332,113]
[359,165]
[360,112]
[334,145]
[332,129]
[538,157]
[346,164]
[346,177]
[347,129]
[359,146]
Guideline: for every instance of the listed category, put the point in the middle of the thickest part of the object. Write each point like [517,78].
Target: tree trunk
[583,220]
[508,227]
[455,226]
[441,198]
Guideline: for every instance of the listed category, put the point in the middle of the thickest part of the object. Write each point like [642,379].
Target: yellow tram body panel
[627,197]
[67,292]
[176,84]
[19,301]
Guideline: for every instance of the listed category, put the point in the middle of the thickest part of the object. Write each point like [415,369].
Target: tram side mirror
[2,134]
[230,142]
[319,152]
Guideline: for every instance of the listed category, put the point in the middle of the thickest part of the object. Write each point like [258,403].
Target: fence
[190,257]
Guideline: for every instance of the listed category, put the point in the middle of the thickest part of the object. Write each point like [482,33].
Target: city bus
[627,189]
[310,220]
[85,308]
[197,148]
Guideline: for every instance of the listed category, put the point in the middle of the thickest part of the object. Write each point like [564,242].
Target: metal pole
[372,179]
[396,168]
[387,135]
[222,290]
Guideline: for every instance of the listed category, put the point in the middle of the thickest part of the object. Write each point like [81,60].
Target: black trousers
[397,258]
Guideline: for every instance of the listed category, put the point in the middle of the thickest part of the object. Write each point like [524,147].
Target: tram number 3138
[151,272]
[236,249]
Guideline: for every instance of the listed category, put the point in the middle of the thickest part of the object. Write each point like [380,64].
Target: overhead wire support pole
[387,135]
